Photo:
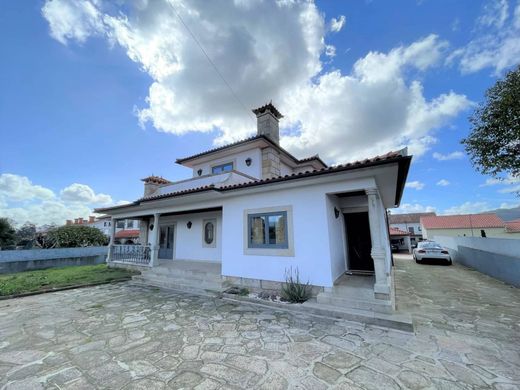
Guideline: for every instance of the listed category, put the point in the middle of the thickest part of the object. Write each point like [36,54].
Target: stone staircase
[197,277]
[354,292]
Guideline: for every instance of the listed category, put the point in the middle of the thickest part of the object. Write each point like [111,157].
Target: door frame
[174,224]
[344,211]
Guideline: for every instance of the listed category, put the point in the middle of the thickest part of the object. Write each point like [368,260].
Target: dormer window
[227,167]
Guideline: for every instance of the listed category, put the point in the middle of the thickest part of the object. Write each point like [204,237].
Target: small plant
[293,290]
[243,291]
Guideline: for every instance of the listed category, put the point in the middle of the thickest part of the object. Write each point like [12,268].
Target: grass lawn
[31,281]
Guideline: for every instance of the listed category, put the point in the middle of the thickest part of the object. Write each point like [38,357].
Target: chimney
[68,222]
[152,184]
[267,118]
[91,219]
[76,221]
[80,221]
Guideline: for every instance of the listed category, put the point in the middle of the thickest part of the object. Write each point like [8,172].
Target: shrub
[293,290]
[73,236]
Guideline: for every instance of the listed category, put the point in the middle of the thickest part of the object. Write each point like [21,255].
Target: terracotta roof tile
[468,221]
[397,232]
[268,107]
[408,218]
[513,226]
[156,180]
[127,233]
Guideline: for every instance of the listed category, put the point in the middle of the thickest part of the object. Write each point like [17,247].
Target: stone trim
[259,285]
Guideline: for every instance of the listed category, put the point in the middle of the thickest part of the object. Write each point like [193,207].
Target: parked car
[394,247]
[432,251]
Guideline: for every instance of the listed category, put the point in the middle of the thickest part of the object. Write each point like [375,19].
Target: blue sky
[95,97]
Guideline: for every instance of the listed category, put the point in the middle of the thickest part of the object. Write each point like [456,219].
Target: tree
[494,142]
[7,233]
[26,234]
[73,236]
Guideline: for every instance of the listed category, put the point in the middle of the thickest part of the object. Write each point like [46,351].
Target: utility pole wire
[210,60]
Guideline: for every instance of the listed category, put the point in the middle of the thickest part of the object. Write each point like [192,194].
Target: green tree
[26,234]
[494,142]
[73,236]
[7,233]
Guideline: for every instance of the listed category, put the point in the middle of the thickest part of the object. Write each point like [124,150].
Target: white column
[154,241]
[382,285]
[112,238]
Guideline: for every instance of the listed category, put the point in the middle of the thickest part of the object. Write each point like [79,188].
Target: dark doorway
[359,242]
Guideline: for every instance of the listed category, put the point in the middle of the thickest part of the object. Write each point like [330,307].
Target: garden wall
[496,257]
[31,259]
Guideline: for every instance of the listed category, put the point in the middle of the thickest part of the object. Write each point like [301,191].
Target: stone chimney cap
[268,107]
[156,180]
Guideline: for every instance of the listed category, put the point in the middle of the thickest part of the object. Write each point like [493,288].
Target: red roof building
[397,232]
[468,221]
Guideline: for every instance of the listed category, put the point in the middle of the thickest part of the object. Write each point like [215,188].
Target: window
[222,168]
[268,230]
[129,224]
[483,233]
[120,224]
[410,229]
[209,233]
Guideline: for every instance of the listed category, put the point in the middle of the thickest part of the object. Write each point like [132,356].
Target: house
[469,225]
[126,230]
[411,223]
[251,212]
[401,238]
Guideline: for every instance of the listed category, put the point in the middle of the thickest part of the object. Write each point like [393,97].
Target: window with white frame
[222,168]
[268,230]
[129,224]
[120,224]
[209,233]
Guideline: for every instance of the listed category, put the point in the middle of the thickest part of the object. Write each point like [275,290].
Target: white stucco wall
[239,163]
[337,238]
[188,242]
[490,232]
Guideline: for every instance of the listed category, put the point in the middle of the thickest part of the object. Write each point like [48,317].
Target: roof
[468,221]
[245,141]
[397,232]
[388,158]
[408,218]
[268,107]
[156,180]
[512,226]
[127,233]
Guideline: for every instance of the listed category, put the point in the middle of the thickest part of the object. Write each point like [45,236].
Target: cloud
[468,208]
[417,185]
[443,183]
[510,190]
[23,201]
[337,24]
[268,50]
[83,194]
[511,183]
[20,188]
[406,208]
[495,43]
[449,156]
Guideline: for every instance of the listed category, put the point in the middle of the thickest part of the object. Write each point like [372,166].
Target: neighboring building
[252,211]
[127,230]
[401,238]
[469,225]
[409,223]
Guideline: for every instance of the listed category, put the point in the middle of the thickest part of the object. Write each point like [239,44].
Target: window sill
[276,252]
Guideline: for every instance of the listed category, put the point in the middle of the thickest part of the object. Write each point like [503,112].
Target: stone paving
[124,336]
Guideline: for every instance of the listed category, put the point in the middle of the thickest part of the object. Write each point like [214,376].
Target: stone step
[341,301]
[184,278]
[183,272]
[211,284]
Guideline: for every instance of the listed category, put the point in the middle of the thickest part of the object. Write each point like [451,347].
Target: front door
[359,242]
[166,242]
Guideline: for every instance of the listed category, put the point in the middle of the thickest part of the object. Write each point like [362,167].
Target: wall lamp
[336,212]
[248,161]
[188,225]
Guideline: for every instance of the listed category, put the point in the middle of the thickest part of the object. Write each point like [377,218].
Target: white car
[432,251]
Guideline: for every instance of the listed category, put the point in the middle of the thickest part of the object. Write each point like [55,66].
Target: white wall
[337,237]
[490,233]
[188,242]
[312,245]
[404,226]
[285,169]
[239,161]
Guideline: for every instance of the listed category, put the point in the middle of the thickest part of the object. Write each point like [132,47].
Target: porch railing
[131,254]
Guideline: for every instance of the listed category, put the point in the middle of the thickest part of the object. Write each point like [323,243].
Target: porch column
[112,238]
[382,286]
[154,241]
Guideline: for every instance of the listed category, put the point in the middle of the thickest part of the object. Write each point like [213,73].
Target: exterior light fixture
[189,224]
[248,161]
[199,172]
[151,227]
[336,212]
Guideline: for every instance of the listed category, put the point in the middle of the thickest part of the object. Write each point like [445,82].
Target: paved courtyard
[124,336]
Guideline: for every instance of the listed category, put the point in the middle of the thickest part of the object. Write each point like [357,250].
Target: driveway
[124,336]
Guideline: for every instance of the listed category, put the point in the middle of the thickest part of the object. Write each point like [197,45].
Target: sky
[96,95]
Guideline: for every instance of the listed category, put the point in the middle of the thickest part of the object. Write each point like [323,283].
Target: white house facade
[251,212]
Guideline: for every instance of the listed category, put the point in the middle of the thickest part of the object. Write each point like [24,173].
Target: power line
[210,60]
